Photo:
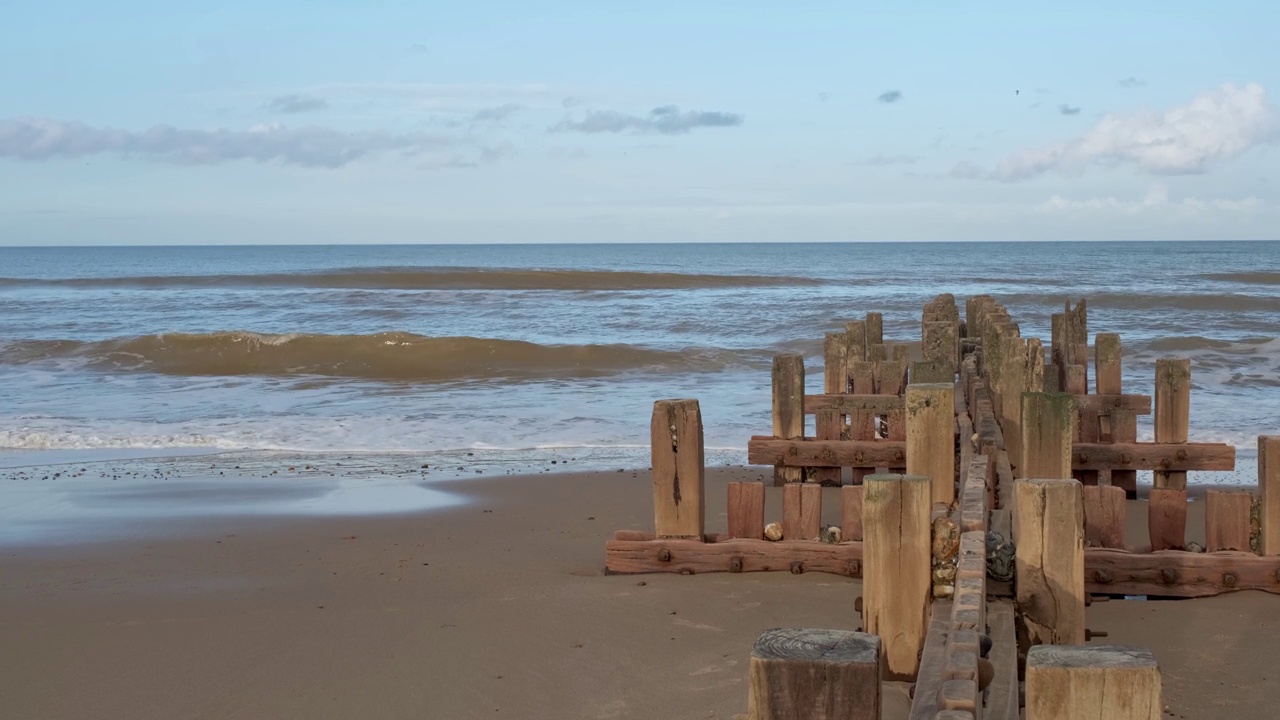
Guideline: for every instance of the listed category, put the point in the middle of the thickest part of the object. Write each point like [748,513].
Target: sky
[555,121]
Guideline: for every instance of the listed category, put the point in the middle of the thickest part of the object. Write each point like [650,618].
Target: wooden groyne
[982,501]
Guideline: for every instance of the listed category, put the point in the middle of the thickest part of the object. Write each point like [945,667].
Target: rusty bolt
[1103,576]
[797,567]
[855,568]
[1276,575]
[1126,458]
[857,604]
[1169,576]
[1229,579]
[735,564]
[664,555]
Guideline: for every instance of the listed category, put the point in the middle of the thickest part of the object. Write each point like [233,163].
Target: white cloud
[667,120]
[36,139]
[1215,126]
[1157,199]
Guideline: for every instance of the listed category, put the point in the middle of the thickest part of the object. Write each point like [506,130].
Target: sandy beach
[496,607]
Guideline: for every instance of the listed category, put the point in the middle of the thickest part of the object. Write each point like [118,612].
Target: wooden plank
[1226,520]
[1048,424]
[855,332]
[1101,681]
[1107,363]
[746,510]
[801,511]
[924,701]
[1124,429]
[875,328]
[1002,694]
[1167,518]
[941,343]
[1049,540]
[862,423]
[891,376]
[678,468]
[764,450]
[930,417]
[847,403]
[898,587]
[835,367]
[689,557]
[851,512]
[1154,456]
[1105,404]
[931,372]
[1075,380]
[1176,573]
[803,673]
[1269,486]
[1173,413]
[830,426]
[788,408]
[1104,513]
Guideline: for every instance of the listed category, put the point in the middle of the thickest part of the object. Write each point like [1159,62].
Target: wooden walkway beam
[764,450]
[1153,456]
[639,553]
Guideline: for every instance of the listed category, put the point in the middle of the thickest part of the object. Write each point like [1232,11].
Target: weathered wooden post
[678,469]
[1049,556]
[1226,520]
[799,674]
[1121,424]
[801,511]
[851,512]
[895,567]
[788,409]
[1269,485]
[875,328]
[1085,683]
[746,510]
[1104,511]
[862,423]
[830,424]
[1167,518]
[1173,413]
[941,342]
[1048,427]
[930,418]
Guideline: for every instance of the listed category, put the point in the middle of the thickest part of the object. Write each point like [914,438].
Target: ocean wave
[382,356]
[1248,278]
[433,278]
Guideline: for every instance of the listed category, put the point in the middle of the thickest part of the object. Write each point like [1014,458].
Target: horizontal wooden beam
[847,404]
[1175,573]
[1153,456]
[766,450]
[689,557]
[1139,404]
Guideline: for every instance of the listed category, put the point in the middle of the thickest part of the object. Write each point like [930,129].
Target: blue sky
[274,122]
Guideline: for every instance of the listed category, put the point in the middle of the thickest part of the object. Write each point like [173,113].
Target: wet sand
[493,608]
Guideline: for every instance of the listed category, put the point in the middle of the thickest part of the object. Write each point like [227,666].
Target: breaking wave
[433,278]
[382,356]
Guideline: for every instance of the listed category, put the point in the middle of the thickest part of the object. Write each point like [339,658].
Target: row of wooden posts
[932,541]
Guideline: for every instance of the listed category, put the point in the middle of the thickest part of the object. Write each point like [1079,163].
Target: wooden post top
[825,646]
[1101,657]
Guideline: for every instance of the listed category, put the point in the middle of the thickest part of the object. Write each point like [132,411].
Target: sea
[494,358]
